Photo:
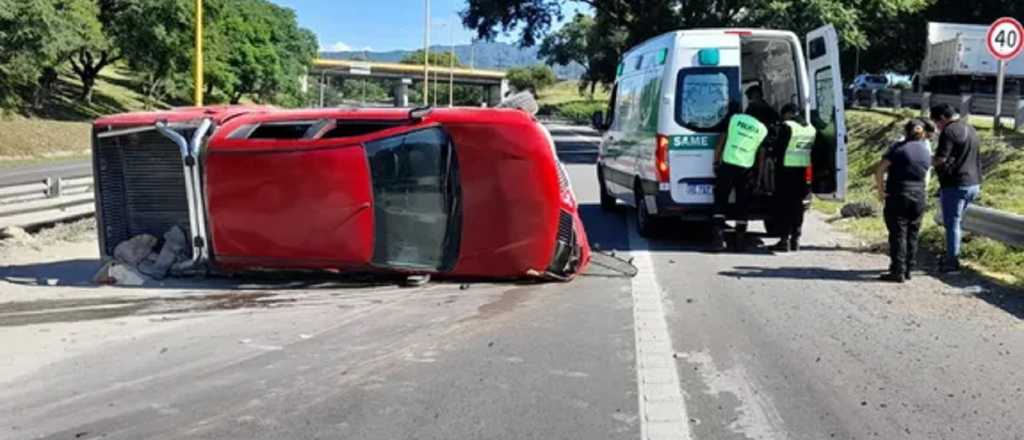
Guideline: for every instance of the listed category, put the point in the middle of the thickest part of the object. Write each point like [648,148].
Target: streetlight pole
[426,53]
[199,54]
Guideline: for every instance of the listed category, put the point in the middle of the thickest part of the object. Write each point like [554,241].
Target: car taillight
[809,175]
[661,158]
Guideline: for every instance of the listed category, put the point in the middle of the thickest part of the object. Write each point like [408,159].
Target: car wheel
[646,225]
[608,203]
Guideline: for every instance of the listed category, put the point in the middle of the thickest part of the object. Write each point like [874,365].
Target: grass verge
[872,132]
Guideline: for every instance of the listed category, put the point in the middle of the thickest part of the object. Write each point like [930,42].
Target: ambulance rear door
[828,157]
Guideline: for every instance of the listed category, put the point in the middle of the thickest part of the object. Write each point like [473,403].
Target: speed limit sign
[1005,38]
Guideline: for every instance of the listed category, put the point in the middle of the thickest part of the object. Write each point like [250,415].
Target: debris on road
[857,210]
[172,252]
[134,250]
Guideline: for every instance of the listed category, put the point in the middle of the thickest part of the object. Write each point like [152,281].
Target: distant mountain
[480,54]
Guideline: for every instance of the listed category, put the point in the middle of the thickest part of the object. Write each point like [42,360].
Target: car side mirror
[597,120]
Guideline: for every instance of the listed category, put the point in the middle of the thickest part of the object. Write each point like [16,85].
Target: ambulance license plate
[700,190]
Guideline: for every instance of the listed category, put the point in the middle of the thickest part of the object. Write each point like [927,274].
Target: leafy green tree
[156,39]
[639,20]
[32,42]
[92,48]
[584,42]
[532,78]
[257,49]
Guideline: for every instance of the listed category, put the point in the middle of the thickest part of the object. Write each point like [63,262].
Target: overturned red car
[462,192]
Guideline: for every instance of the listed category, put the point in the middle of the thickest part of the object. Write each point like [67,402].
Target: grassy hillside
[60,129]
[563,100]
[1003,156]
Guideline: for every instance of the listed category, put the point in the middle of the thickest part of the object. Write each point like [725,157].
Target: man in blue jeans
[957,161]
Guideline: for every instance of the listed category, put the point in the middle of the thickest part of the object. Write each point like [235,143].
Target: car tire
[608,203]
[646,225]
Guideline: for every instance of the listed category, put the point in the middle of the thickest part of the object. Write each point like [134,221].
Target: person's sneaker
[892,278]
[781,246]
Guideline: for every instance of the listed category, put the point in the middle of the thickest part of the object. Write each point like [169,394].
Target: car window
[704,95]
[415,183]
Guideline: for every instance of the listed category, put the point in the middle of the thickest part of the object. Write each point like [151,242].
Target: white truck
[956,61]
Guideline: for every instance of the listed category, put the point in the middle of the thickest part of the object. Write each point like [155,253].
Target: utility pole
[199,54]
[426,53]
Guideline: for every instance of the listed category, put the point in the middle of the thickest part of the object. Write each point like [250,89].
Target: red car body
[462,192]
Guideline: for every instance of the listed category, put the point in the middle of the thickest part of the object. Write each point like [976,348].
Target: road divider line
[661,406]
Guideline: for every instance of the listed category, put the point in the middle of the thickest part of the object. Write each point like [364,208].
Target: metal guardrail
[967,104]
[1002,226]
[33,200]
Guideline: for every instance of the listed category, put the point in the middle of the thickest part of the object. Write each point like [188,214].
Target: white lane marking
[662,409]
[757,417]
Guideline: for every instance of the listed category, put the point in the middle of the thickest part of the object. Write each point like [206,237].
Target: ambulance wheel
[608,202]
[646,225]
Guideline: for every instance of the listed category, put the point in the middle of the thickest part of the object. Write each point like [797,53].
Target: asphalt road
[696,346]
[42,171]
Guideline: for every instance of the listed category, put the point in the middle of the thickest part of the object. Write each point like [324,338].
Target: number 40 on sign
[1005,42]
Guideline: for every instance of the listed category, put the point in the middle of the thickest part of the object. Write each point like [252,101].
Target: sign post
[1005,41]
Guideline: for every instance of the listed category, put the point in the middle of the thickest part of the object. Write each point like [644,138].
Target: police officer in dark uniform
[793,157]
[735,156]
[900,179]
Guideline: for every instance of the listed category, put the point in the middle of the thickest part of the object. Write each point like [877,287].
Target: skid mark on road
[757,417]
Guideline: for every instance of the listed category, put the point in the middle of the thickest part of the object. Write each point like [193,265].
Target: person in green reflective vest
[793,153]
[735,156]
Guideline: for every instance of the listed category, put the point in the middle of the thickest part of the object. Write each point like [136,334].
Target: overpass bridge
[403,76]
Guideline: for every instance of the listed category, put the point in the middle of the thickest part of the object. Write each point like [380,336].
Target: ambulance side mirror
[597,121]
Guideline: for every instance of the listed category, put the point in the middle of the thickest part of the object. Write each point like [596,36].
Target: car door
[829,156]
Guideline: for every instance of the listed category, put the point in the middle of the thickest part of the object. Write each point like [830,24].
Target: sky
[381,25]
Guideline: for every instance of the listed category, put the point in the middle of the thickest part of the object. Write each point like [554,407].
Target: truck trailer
[956,62]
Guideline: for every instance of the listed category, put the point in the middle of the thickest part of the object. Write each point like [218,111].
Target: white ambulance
[669,107]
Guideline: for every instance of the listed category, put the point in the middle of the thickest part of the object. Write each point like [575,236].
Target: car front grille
[140,185]
[564,259]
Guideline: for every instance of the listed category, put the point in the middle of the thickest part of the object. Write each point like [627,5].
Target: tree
[639,20]
[156,38]
[531,78]
[257,49]
[92,47]
[584,42]
[35,36]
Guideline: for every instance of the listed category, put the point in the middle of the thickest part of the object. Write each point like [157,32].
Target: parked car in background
[869,82]
[461,192]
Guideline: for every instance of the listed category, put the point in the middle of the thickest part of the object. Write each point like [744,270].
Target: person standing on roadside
[900,180]
[958,165]
[793,151]
[735,156]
